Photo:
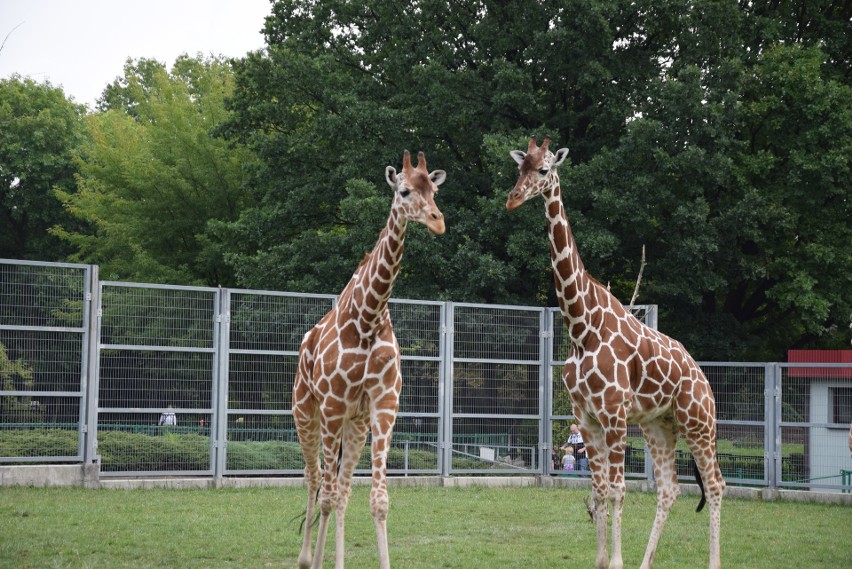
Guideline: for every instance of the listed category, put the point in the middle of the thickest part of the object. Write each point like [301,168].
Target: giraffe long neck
[374,281]
[573,284]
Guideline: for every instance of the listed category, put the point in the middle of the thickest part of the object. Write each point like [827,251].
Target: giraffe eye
[404,192]
[543,171]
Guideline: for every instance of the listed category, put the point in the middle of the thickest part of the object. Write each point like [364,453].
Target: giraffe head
[538,171]
[414,192]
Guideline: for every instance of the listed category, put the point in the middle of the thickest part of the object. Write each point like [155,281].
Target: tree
[39,131]
[665,107]
[155,178]
[345,87]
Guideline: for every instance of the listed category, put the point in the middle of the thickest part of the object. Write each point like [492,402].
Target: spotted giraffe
[348,380]
[618,371]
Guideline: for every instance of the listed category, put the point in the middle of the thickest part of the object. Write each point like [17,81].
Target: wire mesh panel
[148,315]
[495,445]
[419,329]
[262,443]
[740,393]
[44,336]
[268,321]
[157,383]
[816,410]
[496,389]
[42,295]
[263,341]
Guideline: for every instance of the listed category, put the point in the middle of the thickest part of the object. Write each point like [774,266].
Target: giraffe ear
[390,176]
[518,155]
[560,157]
[438,177]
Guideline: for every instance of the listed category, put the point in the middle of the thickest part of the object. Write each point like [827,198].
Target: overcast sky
[81,45]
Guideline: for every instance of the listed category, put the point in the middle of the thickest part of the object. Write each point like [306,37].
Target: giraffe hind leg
[307,425]
[661,437]
[703,450]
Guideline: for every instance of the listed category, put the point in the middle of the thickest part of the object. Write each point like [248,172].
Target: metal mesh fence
[262,443]
[496,445]
[496,396]
[265,321]
[137,443]
[815,411]
[264,334]
[41,361]
[157,377]
[482,387]
[741,407]
[43,339]
[42,295]
[139,315]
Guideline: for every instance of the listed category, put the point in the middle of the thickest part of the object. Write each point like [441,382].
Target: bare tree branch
[2,45]
[638,280]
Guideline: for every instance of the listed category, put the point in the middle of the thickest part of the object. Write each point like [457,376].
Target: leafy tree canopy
[154,179]
[714,133]
[39,131]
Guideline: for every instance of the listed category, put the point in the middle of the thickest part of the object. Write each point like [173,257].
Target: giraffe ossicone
[348,379]
[619,371]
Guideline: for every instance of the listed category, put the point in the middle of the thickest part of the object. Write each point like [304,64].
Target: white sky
[82,45]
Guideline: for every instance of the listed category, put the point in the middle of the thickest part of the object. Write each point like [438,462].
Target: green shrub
[39,442]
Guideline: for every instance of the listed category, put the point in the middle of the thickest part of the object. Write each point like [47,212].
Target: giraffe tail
[303,517]
[700,486]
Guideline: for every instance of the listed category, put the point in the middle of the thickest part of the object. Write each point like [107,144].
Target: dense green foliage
[717,135]
[39,132]
[154,179]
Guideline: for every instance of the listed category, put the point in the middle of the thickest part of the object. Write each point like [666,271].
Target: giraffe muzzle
[435,223]
[515,200]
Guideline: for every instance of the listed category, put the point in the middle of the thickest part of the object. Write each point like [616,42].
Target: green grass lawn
[467,528]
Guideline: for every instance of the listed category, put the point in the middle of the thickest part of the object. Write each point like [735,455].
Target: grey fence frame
[218,333]
[83,393]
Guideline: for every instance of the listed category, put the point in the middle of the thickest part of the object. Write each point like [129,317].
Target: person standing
[168,418]
[575,441]
[568,460]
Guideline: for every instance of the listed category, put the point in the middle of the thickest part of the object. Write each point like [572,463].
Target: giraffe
[348,379]
[618,371]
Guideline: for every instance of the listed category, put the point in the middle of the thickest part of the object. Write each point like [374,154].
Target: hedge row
[172,451]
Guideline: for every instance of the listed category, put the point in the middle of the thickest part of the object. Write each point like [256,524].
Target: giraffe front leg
[599,465]
[616,434]
[382,430]
[354,437]
[328,495]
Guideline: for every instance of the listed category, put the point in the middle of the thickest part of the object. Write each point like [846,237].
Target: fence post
[772,430]
[546,391]
[219,420]
[445,390]
[91,373]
